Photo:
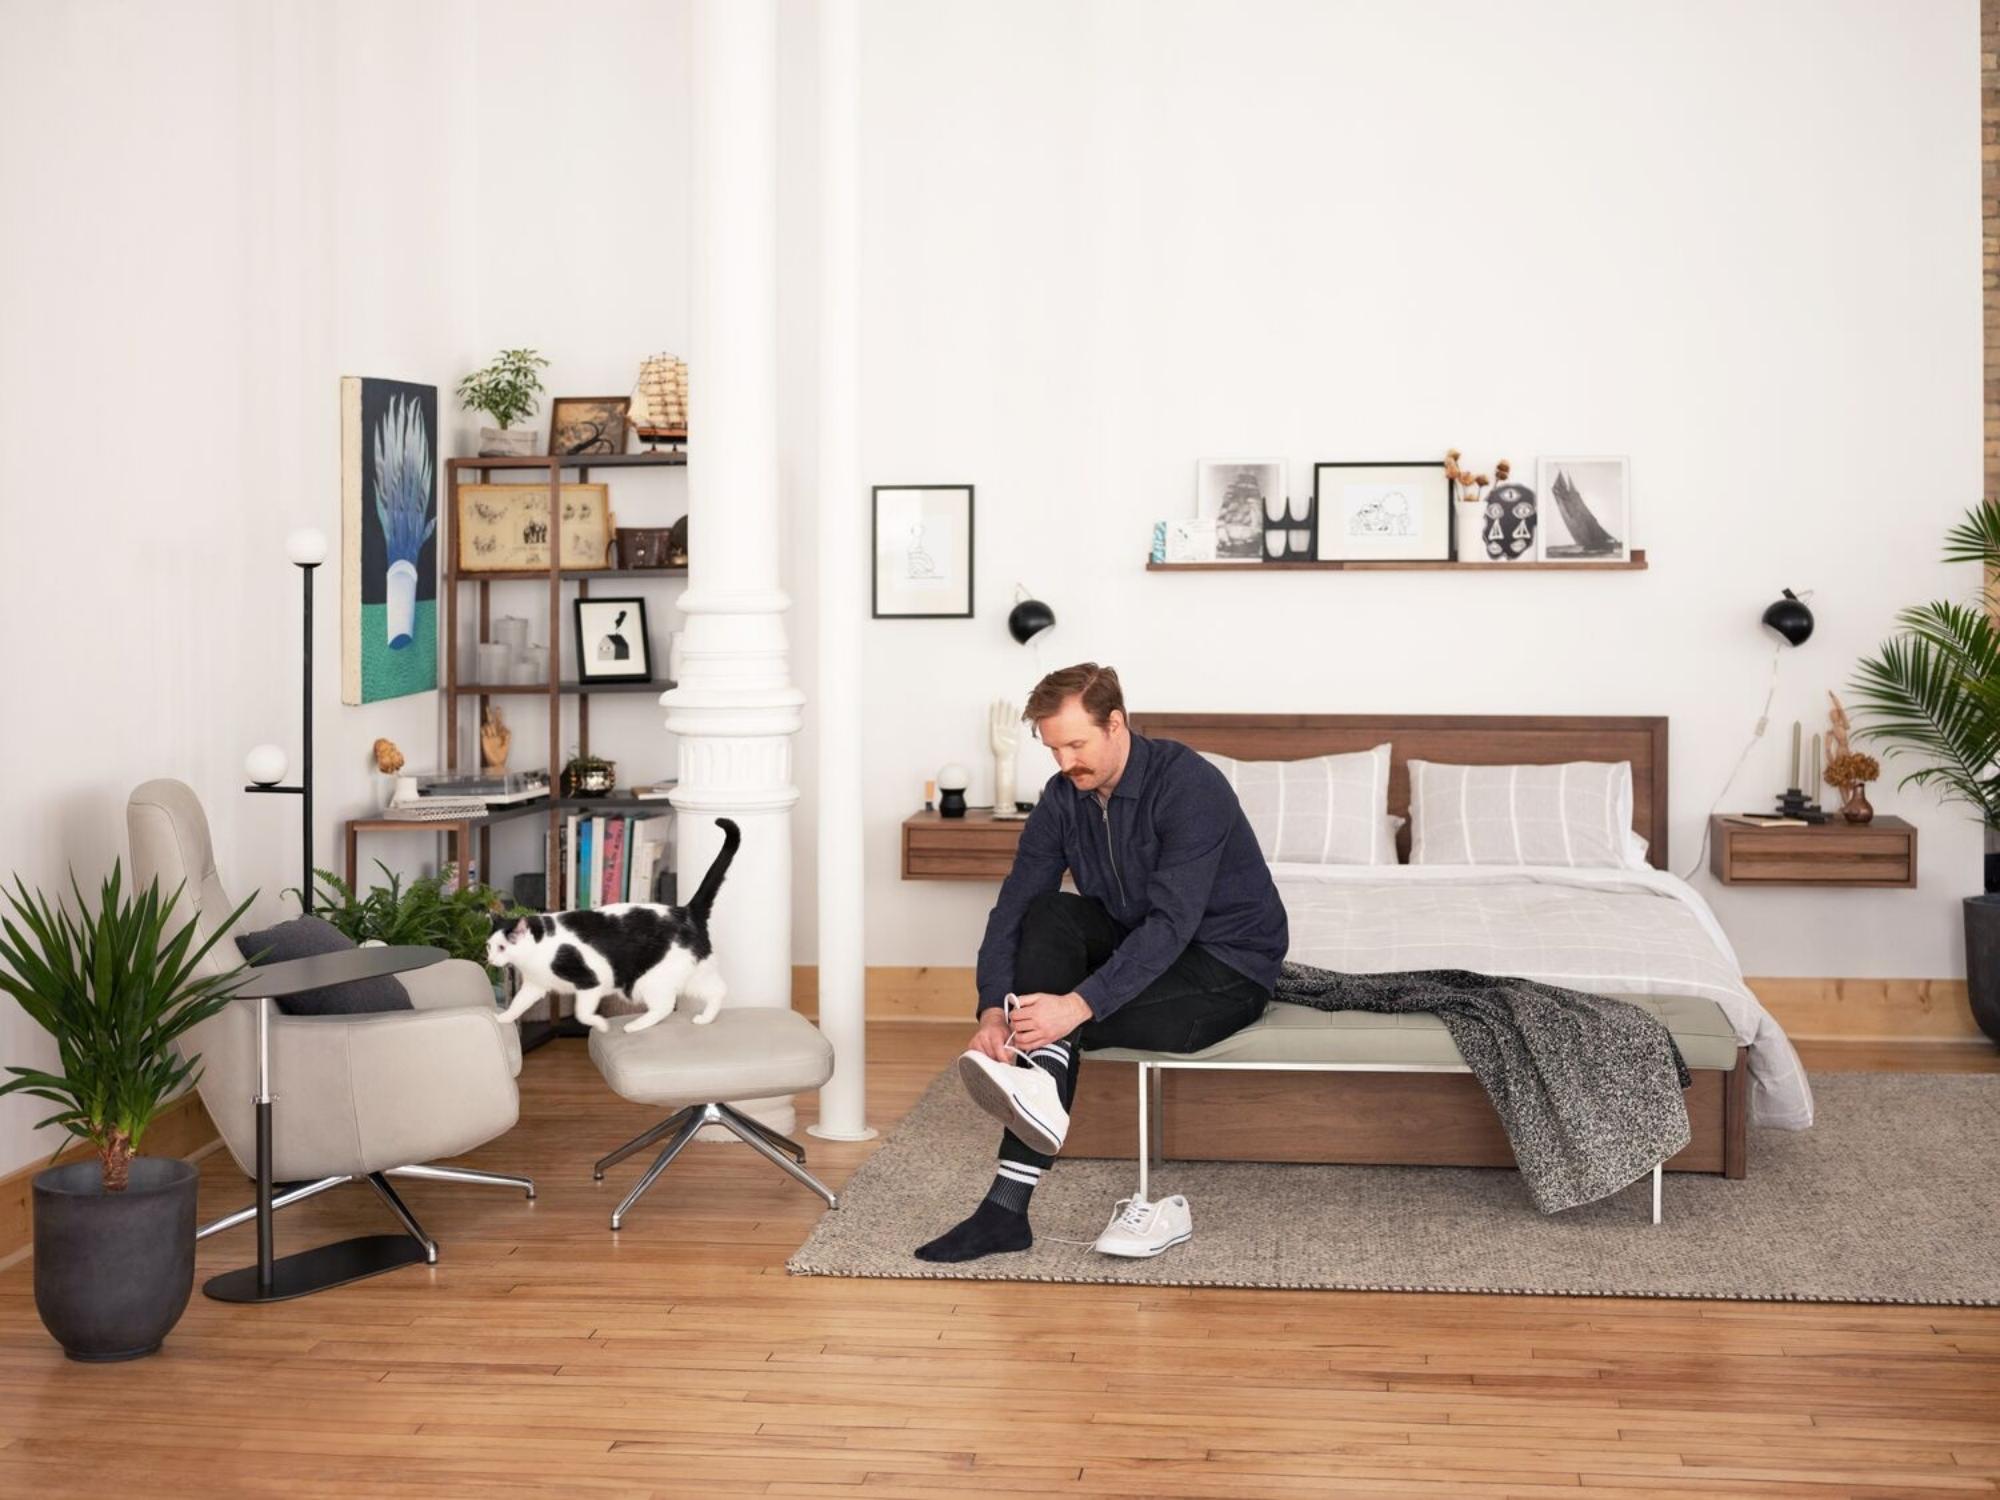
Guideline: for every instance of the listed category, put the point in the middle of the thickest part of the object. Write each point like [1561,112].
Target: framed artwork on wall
[1585,508]
[388,539]
[923,552]
[1383,512]
[611,641]
[588,424]
[1237,494]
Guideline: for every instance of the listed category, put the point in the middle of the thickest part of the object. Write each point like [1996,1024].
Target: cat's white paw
[597,1023]
[705,1017]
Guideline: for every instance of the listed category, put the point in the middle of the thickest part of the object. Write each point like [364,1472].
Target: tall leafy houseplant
[116,990]
[1933,691]
[403,491]
[506,390]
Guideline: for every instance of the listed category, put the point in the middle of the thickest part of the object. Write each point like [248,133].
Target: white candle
[1812,794]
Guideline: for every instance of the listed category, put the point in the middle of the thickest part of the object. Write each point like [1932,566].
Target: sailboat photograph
[1585,509]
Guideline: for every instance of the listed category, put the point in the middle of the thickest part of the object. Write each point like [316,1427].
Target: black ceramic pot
[1982,961]
[113,1270]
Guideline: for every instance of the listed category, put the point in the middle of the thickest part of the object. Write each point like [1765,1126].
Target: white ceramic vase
[402,604]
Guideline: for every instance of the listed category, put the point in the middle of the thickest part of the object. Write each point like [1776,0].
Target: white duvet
[1615,932]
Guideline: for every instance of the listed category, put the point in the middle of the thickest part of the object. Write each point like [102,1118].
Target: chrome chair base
[684,1124]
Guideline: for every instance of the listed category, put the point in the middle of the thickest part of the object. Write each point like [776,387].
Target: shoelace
[1007,1005]
[1129,1214]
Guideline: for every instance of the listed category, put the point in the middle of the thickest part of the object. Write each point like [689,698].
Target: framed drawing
[611,641]
[1585,509]
[388,539]
[923,552]
[588,424]
[1236,494]
[1383,512]
[505,527]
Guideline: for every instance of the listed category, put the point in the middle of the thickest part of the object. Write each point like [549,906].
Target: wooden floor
[543,1356]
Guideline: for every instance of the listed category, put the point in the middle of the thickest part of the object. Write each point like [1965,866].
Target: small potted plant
[114,1234]
[506,390]
[589,776]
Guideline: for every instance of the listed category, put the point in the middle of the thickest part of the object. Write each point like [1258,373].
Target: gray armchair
[363,1098]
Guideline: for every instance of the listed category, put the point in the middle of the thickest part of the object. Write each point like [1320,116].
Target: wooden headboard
[1457,739]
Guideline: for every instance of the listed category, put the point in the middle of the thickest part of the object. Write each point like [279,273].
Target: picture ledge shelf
[1634,563]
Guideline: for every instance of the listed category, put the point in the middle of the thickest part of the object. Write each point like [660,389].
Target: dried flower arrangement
[1851,769]
[1472,487]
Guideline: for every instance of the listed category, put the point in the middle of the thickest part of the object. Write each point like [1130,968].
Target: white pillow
[1328,810]
[1575,813]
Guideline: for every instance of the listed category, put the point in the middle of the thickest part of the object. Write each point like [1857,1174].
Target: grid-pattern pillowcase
[1329,810]
[1576,813]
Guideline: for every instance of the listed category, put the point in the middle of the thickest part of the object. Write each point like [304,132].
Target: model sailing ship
[660,401]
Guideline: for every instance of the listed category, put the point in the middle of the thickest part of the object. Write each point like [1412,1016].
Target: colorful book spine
[595,884]
[586,850]
[614,861]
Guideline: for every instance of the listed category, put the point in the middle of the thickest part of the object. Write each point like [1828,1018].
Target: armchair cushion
[308,937]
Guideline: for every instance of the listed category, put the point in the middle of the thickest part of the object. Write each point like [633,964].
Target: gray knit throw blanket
[1588,1088]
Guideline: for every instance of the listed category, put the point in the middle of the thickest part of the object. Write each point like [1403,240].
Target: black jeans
[1197,1002]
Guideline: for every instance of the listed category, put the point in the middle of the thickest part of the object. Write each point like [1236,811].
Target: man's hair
[1097,686]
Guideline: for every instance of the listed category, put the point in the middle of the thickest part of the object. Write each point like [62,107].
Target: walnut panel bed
[1391,1118]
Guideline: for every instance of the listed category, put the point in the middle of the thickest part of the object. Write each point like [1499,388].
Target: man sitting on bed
[1171,944]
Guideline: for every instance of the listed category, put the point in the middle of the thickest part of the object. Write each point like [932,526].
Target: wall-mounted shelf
[1636,562]
[584,461]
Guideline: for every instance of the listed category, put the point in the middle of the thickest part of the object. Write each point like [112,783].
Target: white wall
[1100,240]
[1739,244]
[214,211]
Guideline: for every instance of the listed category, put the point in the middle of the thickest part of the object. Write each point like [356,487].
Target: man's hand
[1041,1019]
[991,1037]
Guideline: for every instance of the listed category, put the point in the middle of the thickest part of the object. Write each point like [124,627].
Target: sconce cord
[1763,723]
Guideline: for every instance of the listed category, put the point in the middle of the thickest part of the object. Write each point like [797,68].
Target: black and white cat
[648,953]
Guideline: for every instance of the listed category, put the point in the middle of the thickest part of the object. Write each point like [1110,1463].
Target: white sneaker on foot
[1021,1097]
[1140,1229]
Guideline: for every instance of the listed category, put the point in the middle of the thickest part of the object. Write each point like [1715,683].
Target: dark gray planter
[1982,961]
[113,1271]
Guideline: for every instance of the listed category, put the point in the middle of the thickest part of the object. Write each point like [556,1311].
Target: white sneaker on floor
[1023,1097]
[1140,1229]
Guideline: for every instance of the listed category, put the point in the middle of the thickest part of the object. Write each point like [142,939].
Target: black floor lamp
[265,765]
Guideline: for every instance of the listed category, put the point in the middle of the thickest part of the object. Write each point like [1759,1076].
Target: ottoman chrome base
[682,1126]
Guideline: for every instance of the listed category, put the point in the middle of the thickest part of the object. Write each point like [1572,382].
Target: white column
[734,708]
[843,573]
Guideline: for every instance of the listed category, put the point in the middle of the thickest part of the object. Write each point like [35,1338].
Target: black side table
[274,1279]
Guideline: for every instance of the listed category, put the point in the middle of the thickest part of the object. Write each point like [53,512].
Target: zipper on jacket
[1111,849]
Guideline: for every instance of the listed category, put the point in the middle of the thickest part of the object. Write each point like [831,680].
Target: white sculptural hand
[1003,724]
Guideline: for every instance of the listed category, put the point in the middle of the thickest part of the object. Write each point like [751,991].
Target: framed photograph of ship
[388,539]
[611,641]
[923,552]
[588,424]
[1585,508]
[1233,493]
[504,528]
[1383,512]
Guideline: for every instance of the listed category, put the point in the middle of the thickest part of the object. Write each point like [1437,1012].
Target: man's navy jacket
[1170,856]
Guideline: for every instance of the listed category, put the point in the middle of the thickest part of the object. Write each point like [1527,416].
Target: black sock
[993,1229]
[1058,1060]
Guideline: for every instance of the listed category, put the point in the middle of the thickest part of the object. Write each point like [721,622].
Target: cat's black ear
[501,920]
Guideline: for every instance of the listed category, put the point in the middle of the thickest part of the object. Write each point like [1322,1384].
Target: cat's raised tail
[704,897]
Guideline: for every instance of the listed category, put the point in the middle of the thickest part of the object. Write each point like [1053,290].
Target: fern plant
[430,911]
[115,990]
[1933,689]
[506,390]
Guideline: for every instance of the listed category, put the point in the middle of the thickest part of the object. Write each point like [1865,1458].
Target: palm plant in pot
[114,1233]
[506,390]
[1933,690]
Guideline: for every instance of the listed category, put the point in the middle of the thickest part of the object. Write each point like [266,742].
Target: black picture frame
[963,560]
[637,667]
[1443,548]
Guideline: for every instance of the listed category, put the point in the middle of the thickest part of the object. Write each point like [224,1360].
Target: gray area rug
[1893,1196]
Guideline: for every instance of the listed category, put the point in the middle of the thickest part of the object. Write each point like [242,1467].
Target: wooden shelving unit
[557,688]
[1634,563]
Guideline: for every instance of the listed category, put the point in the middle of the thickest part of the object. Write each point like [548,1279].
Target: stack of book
[608,858]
